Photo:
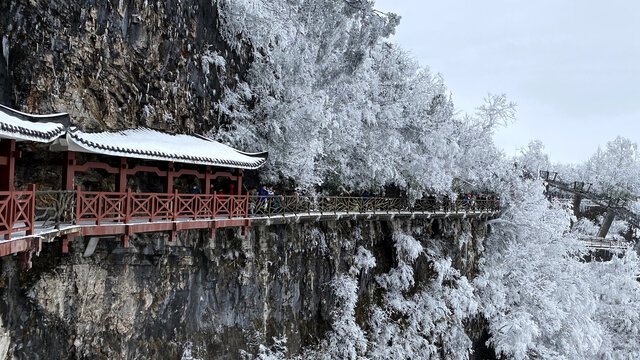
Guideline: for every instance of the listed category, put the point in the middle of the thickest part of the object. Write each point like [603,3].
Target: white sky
[573,67]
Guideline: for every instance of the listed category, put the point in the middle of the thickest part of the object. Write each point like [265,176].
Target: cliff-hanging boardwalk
[614,206]
[29,217]
[38,216]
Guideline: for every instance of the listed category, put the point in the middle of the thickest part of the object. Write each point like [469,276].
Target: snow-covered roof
[143,143]
[26,127]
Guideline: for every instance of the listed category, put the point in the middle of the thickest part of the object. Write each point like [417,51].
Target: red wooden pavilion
[121,212]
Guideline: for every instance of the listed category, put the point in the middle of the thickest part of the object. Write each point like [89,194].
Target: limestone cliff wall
[114,64]
[217,298]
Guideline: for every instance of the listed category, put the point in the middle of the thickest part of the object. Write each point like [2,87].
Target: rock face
[212,298]
[114,64]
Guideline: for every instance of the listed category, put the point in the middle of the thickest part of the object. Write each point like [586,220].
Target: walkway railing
[291,204]
[605,244]
[20,210]
[16,212]
[125,207]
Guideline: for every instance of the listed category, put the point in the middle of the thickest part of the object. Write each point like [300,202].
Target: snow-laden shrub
[277,351]
[617,228]
[363,261]
[615,285]
[614,170]
[425,323]
[421,320]
[407,247]
[585,227]
[346,340]
[635,207]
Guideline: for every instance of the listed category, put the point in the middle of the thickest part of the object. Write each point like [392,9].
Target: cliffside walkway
[577,189]
[27,218]
[614,207]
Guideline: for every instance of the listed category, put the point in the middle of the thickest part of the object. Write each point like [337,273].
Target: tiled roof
[143,143]
[24,127]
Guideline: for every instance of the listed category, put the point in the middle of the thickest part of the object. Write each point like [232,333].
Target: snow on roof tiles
[143,143]
[16,125]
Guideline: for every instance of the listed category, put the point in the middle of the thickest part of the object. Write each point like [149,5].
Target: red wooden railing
[128,206]
[17,211]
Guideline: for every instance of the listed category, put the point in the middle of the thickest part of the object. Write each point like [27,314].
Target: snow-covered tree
[532,159]
[540,299]
[336,105]
[615,170]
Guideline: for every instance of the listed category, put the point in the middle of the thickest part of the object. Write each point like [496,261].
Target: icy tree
[532,159]
[336,105]
[540,299]
[614,171]
[615,285]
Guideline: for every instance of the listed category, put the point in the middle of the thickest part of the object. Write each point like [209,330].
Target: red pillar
[64,244]
[8,151]
[239,191]
[168,181]
[68,175]
[207,180]
[68,170]
[121,176]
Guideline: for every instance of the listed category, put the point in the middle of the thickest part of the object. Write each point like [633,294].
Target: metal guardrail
[272,205]
[606,244]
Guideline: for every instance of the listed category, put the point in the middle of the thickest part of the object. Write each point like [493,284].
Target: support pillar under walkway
[608,220]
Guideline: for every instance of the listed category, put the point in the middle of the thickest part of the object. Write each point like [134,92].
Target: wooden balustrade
[17,212]
[126,207]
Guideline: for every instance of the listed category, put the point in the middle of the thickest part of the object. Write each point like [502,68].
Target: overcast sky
[573,67]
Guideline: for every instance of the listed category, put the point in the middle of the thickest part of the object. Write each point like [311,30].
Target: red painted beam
[130,229]
[97,165]
[143,168]
[151,227]
[195,173]
[193,224]
[103,230]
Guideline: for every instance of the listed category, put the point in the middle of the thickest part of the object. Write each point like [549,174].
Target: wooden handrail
[17,212]
[127,206]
